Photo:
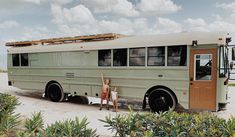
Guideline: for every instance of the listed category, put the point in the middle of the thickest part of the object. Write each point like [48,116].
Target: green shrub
[70,128]
[170,124]
[33,127]
[67,128]
[8,119]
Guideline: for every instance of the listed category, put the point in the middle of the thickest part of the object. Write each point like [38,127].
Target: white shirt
[114,95]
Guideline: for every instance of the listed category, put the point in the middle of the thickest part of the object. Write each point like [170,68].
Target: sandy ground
[32,101]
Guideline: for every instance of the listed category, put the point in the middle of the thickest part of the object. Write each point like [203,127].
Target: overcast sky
[37,19]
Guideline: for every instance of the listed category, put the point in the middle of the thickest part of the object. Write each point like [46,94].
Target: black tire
[55,92]
[161,100]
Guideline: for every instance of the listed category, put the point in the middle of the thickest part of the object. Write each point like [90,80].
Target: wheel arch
[157,87]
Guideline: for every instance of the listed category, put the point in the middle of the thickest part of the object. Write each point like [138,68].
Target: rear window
[24,59]
[20,59]
[16,59]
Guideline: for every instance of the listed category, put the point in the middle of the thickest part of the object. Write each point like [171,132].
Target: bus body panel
[78,72]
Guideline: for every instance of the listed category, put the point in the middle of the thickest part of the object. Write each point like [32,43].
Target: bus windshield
[223,64]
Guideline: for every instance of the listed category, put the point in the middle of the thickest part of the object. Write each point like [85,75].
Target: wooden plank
[64,40]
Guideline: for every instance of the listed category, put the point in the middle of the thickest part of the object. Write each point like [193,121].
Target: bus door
[203,79]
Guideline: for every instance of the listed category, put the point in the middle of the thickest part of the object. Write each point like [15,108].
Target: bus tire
[55,92]
[161,100]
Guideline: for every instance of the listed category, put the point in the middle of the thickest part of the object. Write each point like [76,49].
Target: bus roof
[186,38]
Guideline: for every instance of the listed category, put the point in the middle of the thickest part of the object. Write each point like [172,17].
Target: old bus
[161,71]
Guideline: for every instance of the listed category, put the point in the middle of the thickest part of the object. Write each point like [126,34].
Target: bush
[70,128]
[33,127]
[8,119]
[67,128]
[169,124]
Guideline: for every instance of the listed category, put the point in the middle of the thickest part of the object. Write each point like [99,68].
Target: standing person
[104,92]
[114,98]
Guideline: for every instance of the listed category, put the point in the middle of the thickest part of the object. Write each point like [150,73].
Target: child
[104,92]
[114,98]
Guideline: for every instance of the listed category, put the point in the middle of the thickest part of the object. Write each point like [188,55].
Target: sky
[38,19]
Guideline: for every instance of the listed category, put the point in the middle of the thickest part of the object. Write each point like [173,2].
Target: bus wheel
[161,100]
[55,92]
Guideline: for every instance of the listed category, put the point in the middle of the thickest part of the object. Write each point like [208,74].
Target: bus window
[233,54]
[24,59]
[137,57]
[156,56]
[223,63]
[120,57]
[177,56]
[16,59]
[104,57]
[203,65]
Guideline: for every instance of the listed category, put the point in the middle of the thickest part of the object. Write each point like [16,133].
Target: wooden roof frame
[64,40]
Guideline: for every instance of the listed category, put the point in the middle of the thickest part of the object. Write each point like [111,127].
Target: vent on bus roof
[69,75]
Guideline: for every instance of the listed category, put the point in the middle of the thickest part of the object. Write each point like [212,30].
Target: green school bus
[161,71]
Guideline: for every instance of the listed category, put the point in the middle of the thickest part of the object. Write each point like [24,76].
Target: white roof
[217,38]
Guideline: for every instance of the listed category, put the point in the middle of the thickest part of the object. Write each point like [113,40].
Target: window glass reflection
[104,57]
[156,56]
[137,57]
[203,63]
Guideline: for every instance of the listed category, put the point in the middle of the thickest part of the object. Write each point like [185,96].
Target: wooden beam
[64,40]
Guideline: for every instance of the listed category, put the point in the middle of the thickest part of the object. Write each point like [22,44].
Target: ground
[32,101]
